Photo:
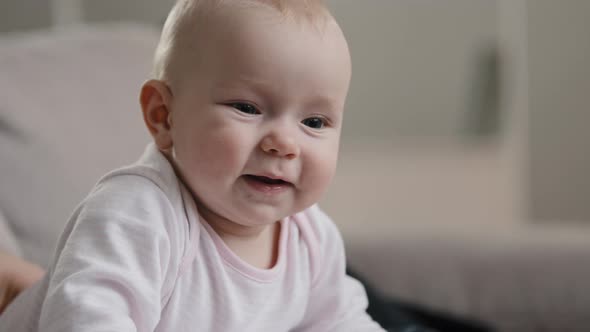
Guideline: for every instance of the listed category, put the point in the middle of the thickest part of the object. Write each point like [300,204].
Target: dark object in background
[399,316]
[6,128]
[484,113]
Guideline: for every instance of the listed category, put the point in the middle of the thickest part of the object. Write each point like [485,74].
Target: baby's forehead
[207,13]
[193,25]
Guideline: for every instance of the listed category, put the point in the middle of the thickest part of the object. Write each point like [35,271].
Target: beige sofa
[435,227]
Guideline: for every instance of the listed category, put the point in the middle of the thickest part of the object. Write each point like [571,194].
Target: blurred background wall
[559,74]
[472,109]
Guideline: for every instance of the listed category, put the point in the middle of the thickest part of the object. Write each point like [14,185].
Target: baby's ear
[155,99]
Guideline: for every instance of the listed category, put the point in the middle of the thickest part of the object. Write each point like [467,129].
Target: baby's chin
[259,219]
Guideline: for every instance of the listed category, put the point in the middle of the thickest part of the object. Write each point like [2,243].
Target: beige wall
[152,11]
[406,160]
[24,15]
[413,64]
[559,74]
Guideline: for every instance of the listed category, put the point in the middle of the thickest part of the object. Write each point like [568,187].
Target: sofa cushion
[69,112]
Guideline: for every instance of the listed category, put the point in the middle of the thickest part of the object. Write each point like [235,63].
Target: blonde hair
[186,16]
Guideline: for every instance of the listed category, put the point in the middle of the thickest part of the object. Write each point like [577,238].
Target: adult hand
[16,275]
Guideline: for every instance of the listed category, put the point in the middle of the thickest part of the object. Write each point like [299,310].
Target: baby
[215,228]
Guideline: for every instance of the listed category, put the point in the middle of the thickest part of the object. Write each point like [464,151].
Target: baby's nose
[280,144]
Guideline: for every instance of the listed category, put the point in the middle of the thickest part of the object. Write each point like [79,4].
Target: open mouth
[267,180]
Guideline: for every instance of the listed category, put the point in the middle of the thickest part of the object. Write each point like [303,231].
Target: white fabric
[136,257]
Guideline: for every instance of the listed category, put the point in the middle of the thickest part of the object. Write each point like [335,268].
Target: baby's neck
[260,251]
[231,230]
[256,245]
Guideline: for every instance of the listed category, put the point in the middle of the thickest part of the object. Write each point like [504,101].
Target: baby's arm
[16,275]
[112,262]
[337,301]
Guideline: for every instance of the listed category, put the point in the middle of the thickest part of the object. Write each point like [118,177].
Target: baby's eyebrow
[322,102]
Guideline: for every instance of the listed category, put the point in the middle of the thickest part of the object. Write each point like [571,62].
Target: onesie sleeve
[337,301]
[110,268]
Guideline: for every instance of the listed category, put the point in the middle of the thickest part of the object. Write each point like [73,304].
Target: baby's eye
[245,108]
[315,122]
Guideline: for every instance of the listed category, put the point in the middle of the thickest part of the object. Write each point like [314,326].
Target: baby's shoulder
[138,197]
[135,189]
[148,185]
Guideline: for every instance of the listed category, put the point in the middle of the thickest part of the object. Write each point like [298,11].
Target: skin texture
[265,96]
[16,275]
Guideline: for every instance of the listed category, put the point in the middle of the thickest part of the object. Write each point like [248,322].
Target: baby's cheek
[318,171]
[221,154]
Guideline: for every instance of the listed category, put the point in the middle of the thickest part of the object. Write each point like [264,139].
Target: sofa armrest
[518,279]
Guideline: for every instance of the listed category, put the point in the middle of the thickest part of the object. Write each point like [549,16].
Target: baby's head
[247,103]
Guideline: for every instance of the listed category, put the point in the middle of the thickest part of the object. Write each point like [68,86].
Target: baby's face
[256,126]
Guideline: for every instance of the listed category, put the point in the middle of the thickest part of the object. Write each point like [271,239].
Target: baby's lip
[270,179]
